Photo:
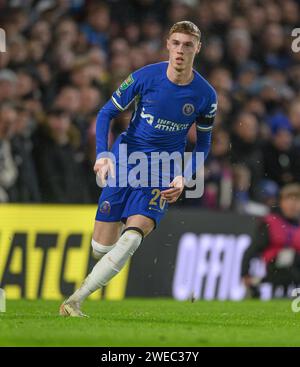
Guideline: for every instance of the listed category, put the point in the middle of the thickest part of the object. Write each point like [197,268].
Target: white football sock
[100,250]
[110,264]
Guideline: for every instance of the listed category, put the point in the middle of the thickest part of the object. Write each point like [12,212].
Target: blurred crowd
[64,58]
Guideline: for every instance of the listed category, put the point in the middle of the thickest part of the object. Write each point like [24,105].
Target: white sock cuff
[132,240]
[101,248]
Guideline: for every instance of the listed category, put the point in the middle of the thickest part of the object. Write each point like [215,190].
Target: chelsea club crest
[105,207]
[188,109]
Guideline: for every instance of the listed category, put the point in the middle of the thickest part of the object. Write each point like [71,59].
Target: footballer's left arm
[204,125]
[177,185]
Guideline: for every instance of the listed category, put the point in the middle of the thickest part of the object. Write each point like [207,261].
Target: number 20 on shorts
[157,199]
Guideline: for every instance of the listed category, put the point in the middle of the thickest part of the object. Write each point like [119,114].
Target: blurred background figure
[218,173]
[246,158]
[26,188]
[8,167]
[281,158]
[59,171]
[277,243]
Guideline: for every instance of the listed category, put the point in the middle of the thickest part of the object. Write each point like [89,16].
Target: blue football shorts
[118,203]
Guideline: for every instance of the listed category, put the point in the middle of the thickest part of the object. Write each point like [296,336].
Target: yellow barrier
[45,251]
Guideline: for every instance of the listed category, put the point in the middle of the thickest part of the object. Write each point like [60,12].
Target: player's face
[182,50]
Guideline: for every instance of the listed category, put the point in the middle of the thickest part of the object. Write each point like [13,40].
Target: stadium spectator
[26,188]
[218,173]
[281,159]
[277,242]
[89,161]
[96,27]
[294,118]
[60,173]
[8,167]
[66,33]
[68,99]
[268,194]
[8,85]
[245,151]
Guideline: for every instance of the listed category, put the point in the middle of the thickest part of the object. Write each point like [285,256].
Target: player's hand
[103,167]
[176,188]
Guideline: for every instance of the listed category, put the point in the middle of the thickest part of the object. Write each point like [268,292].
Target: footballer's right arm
[119,102]
[104,165]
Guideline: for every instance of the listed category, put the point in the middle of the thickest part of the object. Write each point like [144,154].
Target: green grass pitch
[152,322]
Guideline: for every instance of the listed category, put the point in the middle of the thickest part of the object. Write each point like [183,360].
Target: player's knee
[132,237]
[100,250]
[145,225]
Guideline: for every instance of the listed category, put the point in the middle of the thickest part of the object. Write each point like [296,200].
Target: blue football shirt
[163,111]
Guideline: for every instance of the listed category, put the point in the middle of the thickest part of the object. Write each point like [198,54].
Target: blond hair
[186,27]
